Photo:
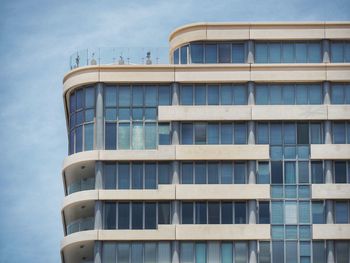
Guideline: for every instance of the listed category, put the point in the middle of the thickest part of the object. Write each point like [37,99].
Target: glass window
[164,133]
[109,215]
[224,53]
[240,172]
[150,252]
[186,252]
[288,52]
[289,173]
[123,176]
[261,95]
[123,215]
[201,212]
[291,252]
[300,52]
[275,94]
[210,53]
[303,170]
[318,213]
[164,173]
[187,213]
[301,94]
[124,96]
[136,252]
[240,95]
[347,52]
[319,251]
[183,53]
[304,212]
[261,53]
[124,136]
[164,95]
[187,173]
[213,95]
[150,176]
[201,253]
[176,56]
[79,139]
[108,252]
[226,213]
[150,135]
[264,252]
[291,213]
[316,133]
[226,252]
[277,212]
[137,176]
[137,96]
[137,215]
[226,133]
[289,133]
[123,253]
[197,53]
[80,100]
[303,133]
[288,94]
[200,95]
[277,232]
[274,52]
[264,212]
[151,96]
[213,213]
[226,93]
[187,133]
[314,52]
[240,213]
[337,52]
[109,173]
[277,251]
[213,173]
[137,135]
[339,134]
[226,173]
[163,213]
[315,94]
[340,172]
[276,134]
[241,252]
[164,252]
[200,173]
[263,173]
[88,137]
[200,133]
[342,251]
[213,133]
[341,212]
[276,172]
[263,133]
[317,172]
[150,216]
[186,95]
[238,53]
[337,94]
[240,133]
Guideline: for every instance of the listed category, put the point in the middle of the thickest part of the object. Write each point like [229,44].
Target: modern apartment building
[238,150]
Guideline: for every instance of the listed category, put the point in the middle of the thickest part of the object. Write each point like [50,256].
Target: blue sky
[36,40]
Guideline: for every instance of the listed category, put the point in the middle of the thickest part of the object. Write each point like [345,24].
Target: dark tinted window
[137,215]
[123,215]
[187,213]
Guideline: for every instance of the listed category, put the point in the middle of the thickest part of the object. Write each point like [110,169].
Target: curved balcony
[81,224]
[119,56]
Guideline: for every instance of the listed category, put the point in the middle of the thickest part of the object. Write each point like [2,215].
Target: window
[137,176]
[241,252]
[340,172]
[264,212]
[109,215]
[210,53]
[200,95]
[226,173]
[150,176]
[197,53]
[137,211]
[201,253]
[164,173]
[277,212]
[240,213]
[340,51]
[176,56]
[213,95]
[187,213]
[238,53]
[264,252]
[240,172]
[108,252]
[262,133]
[339,133]
[109,173]
[186,95]
[240,133]
[318,213]
[186,252]
[164,134]
[123,215]
[123,176]
[187,173]
[123,253]
[226,252]
[263,173]
[164,213]
[342,251]
[201,213]
[187,133]
[226,213]
[340,93]
[213,213]
[319,251]
[213,133]
[276,172]
[150,216]
[213,173]
[341,212]
[317,172]
[183,54]
[224,53]
[277,251]
[200,133]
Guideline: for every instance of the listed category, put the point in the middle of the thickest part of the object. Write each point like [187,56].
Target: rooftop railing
[119,56]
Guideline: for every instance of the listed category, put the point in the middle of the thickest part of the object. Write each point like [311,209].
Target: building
[236,151]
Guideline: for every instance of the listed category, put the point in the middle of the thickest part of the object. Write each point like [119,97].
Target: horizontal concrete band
[331,231]
[330,191]
[330,151]
[175,232]
[249,112]
[206,73]
[258,31]
[174,152]
[175,192]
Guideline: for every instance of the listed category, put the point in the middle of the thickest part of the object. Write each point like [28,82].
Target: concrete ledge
[90,195]
[79,237]
[164,232]
[222,192]
[204,113]
[289,112]
[331,231]
[223,232]
[330,191]
[330,151]
[338,112]
[222,152]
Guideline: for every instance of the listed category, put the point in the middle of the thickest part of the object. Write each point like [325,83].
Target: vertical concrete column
[326,49]
[330,251]
[99,125]
[98,252]
[252,204]
[175,208]
[99,145]
[250,55]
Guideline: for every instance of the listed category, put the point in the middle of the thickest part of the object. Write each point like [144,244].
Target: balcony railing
[81,185]
[81,224]
[119,56]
